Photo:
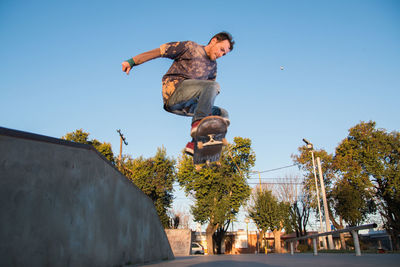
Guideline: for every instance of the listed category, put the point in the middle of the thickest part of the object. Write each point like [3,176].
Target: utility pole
[259,177]
[247,220]
[327,222]
[122,138]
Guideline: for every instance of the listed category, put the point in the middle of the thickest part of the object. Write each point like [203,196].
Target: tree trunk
[332,219]
[219,237]
[395,241]
[209,237]
[263,241]
[342,241]
[277,240]
[341,235]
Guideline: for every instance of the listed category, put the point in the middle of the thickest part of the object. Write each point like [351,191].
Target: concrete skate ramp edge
[64,204]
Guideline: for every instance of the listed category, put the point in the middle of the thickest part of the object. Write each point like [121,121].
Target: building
[243,242]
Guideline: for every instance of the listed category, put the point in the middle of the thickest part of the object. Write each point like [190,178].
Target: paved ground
[284,260]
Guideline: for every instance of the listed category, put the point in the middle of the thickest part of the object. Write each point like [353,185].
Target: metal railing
[352,230]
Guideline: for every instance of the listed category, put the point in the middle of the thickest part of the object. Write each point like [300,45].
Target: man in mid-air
[189,87]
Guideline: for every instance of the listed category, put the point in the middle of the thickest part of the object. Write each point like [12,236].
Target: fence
[352,230]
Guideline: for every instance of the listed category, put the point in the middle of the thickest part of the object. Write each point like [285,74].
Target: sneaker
[189,149]
[194,128]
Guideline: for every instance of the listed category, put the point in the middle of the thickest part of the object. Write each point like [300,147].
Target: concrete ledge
[63,204]
[48,139]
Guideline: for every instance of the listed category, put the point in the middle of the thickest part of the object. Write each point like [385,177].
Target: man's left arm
[140,59]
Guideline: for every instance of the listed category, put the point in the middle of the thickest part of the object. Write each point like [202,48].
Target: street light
[321,179]
[311,148]
[328,228]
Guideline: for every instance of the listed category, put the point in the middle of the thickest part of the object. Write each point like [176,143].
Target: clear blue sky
[61,70]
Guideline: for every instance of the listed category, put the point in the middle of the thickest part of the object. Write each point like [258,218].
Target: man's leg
[196,98]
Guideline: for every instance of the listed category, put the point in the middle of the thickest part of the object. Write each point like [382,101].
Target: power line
[275,169]
[271,178]
[275,183]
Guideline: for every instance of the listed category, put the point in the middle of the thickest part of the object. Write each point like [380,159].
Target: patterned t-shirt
[190,62]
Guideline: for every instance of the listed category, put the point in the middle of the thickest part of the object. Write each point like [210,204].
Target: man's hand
[126,67]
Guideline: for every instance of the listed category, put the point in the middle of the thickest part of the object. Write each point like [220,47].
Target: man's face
[218,49]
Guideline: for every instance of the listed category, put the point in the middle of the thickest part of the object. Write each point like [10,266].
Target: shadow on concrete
[233,264]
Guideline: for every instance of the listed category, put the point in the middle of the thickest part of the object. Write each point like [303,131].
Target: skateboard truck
[211,136]
[209,140]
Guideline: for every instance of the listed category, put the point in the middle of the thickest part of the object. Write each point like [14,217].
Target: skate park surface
[284,260]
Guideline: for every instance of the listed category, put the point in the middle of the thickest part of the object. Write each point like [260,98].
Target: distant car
[197,248]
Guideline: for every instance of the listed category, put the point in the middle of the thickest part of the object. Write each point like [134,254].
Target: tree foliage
[267,212]
[362,176]
[340,205]
[155,177]
[270,214]
[304,161]
[80,136]
[218,192]
[351,202]
[368,159]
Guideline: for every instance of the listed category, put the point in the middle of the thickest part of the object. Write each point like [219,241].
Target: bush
[349,243]
[303,247]
[363,245]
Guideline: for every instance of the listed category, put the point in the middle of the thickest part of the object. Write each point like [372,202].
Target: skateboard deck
[209,140]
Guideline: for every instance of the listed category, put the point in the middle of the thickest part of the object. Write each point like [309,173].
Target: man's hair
[222,36]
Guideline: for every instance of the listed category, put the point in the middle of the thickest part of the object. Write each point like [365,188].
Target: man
[189,87]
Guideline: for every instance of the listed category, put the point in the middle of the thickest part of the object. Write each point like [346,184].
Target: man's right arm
[140,59]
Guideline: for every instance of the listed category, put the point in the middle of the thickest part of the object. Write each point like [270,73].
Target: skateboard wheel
[200,145]
[224,142]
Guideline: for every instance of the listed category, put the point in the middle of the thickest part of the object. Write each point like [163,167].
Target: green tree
[369,159]
[299,214]
[155,177]
[290,190]
[270,214]
[80,136]
[304,160]
[351,202]
[218,192]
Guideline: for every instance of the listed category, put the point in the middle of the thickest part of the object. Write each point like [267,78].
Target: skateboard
[209,140]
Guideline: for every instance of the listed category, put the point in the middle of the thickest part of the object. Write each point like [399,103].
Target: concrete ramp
[64,204]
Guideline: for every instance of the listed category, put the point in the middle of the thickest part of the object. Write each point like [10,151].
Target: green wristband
[131,62]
